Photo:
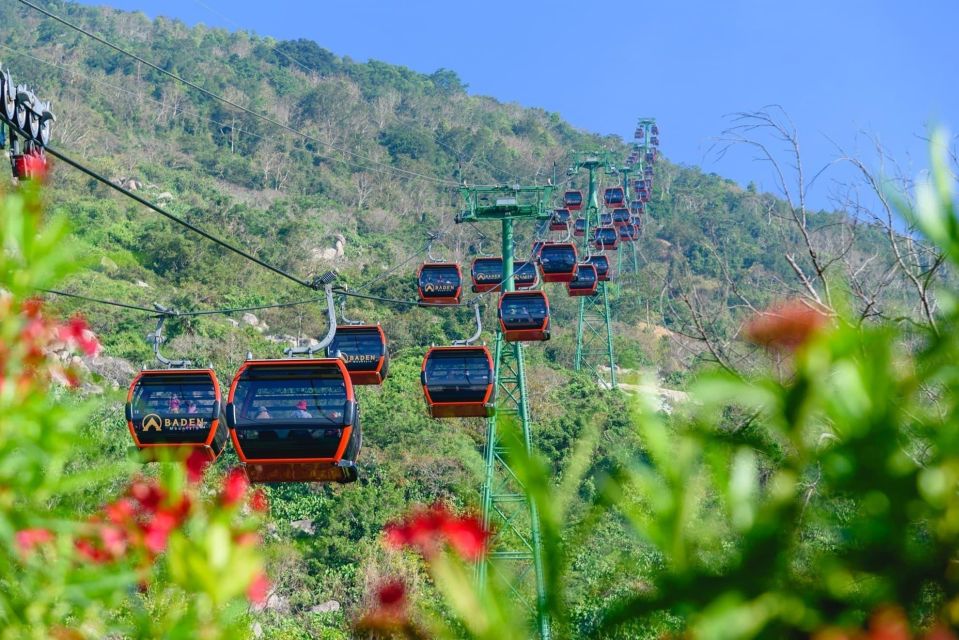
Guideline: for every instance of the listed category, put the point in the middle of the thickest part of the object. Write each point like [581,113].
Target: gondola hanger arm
[479,329]
[156,339]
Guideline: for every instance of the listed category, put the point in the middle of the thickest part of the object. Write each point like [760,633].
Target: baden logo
[152,421]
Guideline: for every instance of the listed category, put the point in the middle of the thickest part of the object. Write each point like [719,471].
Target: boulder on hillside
[117,371]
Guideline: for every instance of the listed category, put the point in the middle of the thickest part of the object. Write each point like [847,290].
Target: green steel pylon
[594,332]
[516,556]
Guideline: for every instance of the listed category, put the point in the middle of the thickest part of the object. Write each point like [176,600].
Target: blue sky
[840,68]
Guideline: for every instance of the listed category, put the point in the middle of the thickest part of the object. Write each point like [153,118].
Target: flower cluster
[27,359]
[137,526]
[429,530]
[785,327]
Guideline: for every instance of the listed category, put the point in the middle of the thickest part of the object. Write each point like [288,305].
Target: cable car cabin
[606,238]
[440,283]
[636,221]
[458,382]
[640,133]
[295,420]
[559,220]
[639,184]
[614,197]
[573,200]
[643,195]
[654,141]
[557,261]
[601,263]
[648,172]
[636,207]
[176,408]
[605,219]
[525,274]
[620,216]
[635,228]
[364,350]
[585,282]
[487,274]
[628,233]
[654,130]
[579,227]
[650,157]
[524,316]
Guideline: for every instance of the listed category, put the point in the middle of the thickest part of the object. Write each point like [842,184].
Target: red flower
[148,494]
[88,550]
[76,333]
[157,531]
[114,540]
[785,327]
[391,594]
[429,529]
[889,623]
[120,512]
[467,536]
[28,539]
[259,502]
[235,486]
[258,589]
[196,464]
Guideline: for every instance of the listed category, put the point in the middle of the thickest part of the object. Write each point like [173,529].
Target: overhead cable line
[163,212]
[225,100]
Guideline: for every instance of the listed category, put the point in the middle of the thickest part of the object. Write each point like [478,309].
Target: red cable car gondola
[636,207]
[440,283]
[579,227]
[557,261]
[487,273]
[601,263]
[295,420]
[654,130]
[605,219]
[573,200]
[458,382]
[614,197]
[627,233]
[585,282]
[606,238]
[525,274]
[364,350]
[559,220]
[620,216]
[524,316]
[176,408]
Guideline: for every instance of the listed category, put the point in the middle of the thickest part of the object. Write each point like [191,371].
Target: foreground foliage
[167,556]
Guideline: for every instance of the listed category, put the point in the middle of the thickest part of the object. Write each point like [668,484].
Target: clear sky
[839,67]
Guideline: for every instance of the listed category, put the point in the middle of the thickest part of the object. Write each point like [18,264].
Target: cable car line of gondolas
[296,418]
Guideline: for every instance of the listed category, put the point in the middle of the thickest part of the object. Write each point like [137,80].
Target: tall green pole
[517,544]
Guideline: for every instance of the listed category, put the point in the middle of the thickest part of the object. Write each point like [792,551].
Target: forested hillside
[374,168]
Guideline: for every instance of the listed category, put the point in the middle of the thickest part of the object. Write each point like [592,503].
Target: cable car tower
[516,555]
[594,332]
